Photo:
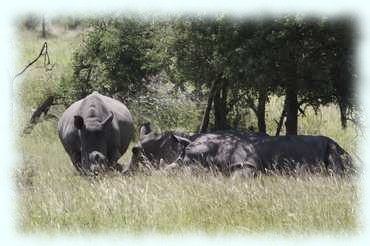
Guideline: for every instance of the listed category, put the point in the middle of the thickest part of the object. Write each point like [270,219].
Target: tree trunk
[281,120]
[261,108]
[291,123]
[220,107]
[43,28]
[343,113]
[205,121]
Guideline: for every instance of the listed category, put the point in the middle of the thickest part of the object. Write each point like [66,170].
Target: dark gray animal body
[307,153]
[159,148]
[247,152]
[165,146]
[221,149]
[95,132]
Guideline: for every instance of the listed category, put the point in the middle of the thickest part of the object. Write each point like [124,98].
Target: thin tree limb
[42,109]
[43,51]
[281,120]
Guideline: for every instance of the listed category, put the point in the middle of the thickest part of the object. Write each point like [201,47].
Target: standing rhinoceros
[95,131]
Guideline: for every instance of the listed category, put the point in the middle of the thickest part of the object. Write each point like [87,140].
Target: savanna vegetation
[190,73]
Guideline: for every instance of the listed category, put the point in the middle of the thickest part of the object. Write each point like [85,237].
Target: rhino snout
[97,157]
[185,159]
[95,169]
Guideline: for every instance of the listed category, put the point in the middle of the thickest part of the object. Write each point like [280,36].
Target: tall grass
[53,198]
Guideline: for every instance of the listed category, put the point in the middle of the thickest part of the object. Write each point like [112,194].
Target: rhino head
[94,138]
[160,149]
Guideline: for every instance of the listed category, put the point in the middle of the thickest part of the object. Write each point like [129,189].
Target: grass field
[53,198]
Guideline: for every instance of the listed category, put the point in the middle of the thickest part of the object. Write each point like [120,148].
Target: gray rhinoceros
[95,132]
[299,153]
[223,150]
[160,149]
[247,153]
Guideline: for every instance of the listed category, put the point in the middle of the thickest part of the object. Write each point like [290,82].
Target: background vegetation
[177,72]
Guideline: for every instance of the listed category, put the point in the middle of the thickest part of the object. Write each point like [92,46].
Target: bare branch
[301,111]
[281,120]
[42,109]
[43,51]
[251,104]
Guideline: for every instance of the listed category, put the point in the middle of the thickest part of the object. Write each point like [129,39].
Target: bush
[112,59]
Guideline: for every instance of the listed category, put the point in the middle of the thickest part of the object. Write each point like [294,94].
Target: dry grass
[53,198]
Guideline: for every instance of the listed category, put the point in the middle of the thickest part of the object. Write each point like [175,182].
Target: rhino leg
[112,160]
[76,161]
[171,166]
[244,172]
[162,164]
[334,159]
[117,167]
[133,164]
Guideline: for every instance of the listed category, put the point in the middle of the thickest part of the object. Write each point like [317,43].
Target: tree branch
[43,51]
[42,109]
[251,104]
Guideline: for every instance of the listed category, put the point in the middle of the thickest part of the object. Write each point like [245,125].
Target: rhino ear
[79,122]
[145,129]
[108,120]
[184,141]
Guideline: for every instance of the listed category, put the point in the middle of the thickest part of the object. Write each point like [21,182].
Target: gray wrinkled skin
[95,132]
[160,149]
[246,153]
[305,153]
[222,150]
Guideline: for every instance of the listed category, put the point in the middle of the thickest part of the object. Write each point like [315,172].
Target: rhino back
[123,128]
[222,148]
[299,149]
[122,124]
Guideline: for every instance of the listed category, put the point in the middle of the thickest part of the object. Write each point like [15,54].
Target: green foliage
[166,109]
[112,59]
[268,56]
[248,60]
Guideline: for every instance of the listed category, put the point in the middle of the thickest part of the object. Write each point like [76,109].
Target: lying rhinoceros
[248,153]
[299,153]
[159,149]
[221,149]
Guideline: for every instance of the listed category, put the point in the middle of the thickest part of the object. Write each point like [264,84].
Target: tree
[43,27]
[203,55]
[231,63]
[113,58]
[303,62]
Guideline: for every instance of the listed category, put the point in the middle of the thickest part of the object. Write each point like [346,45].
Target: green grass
[53,198]
[36,82]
